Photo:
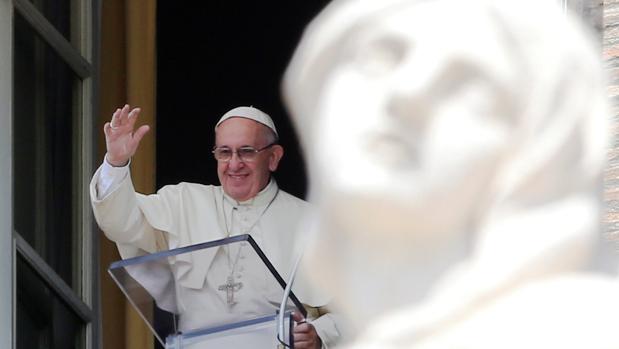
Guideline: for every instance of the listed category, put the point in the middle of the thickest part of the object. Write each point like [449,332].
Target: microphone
[280,317]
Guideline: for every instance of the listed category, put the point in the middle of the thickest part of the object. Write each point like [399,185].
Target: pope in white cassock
[247,202]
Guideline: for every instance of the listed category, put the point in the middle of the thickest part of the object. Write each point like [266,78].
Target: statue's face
[434,127]
[410,120]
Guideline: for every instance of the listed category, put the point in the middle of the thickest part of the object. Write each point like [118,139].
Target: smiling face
[243,180]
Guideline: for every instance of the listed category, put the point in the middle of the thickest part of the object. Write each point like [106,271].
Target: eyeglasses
[245,154]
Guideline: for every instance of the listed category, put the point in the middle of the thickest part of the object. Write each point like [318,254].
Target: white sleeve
[328,327]
[110,177]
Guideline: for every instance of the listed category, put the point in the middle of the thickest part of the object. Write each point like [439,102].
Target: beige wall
[127,76]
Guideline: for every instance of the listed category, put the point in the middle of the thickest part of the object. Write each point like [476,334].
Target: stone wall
[610,47]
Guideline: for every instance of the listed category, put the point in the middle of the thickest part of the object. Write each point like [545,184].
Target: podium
[218,294]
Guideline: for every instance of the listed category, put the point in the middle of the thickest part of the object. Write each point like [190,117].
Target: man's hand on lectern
[304,333]
[120,140]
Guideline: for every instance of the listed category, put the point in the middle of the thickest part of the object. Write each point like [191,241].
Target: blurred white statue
[455,151]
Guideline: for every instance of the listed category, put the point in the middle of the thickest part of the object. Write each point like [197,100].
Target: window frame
[7,260]
[82,58]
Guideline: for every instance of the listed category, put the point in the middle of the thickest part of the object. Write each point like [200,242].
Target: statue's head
[428,123]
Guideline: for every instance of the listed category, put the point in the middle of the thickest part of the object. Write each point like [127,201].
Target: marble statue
[455,151]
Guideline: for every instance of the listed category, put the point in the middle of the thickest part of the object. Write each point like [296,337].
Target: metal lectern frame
[150,282]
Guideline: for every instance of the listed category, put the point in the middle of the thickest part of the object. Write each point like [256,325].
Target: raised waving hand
[120,139]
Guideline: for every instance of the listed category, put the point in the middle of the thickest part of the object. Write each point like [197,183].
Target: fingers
[306,339]
[303,328]
[305,335]
[115,122]
[120,139]
[107,128]
[304,342]
[304,345]
[132,116]
[124,117]
[122,123]
[137,136]
[298,317]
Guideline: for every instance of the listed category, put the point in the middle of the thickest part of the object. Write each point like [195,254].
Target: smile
[238,176]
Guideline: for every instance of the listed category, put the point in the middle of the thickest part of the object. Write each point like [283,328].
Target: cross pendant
[230,286]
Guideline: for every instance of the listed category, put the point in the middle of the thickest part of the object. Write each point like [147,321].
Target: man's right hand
[120,140]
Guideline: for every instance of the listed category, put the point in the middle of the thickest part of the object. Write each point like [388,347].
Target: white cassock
[188,213]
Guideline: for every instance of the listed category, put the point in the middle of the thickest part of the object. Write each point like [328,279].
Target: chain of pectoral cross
[230,286]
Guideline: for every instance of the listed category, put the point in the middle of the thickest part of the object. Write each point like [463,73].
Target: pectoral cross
[230,287]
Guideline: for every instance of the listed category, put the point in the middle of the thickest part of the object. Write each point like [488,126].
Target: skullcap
[249,113]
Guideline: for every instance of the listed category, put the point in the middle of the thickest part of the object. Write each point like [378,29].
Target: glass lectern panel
[208,295]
